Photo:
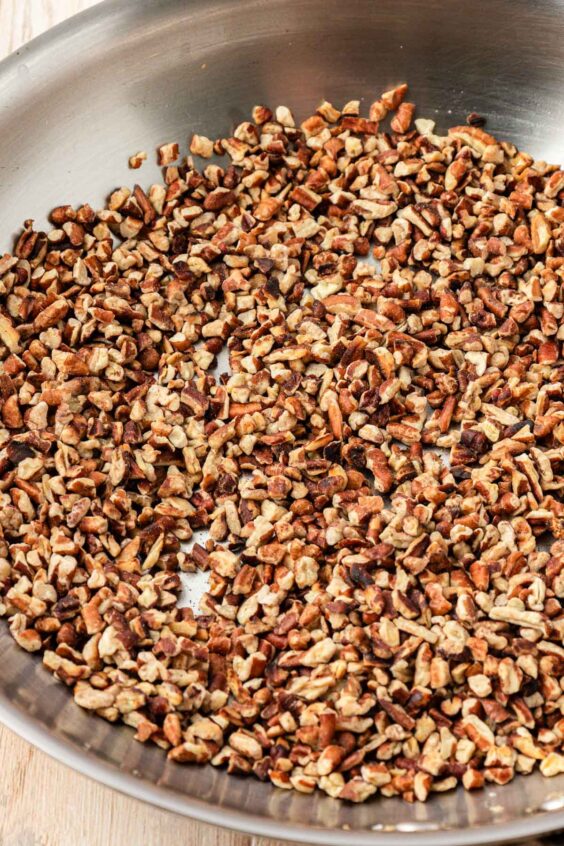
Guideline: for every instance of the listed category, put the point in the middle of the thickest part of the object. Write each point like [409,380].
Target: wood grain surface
[42,802]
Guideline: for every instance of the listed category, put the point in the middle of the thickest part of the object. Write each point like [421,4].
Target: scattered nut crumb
[474,119]
[137,160]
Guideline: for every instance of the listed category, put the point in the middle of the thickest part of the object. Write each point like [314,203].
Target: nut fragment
[137,160]
[201,146]
[167,153]
[9,335]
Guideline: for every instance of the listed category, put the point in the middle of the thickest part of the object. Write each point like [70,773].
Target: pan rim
[84,762]
[246,823]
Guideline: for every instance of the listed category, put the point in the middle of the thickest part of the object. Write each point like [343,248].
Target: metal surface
[133,73]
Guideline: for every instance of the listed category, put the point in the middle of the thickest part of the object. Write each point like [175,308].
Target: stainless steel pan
[133,73]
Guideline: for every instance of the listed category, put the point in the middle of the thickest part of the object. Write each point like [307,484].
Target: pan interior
[131,74]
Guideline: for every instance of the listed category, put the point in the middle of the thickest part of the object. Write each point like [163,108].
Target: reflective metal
[130,74]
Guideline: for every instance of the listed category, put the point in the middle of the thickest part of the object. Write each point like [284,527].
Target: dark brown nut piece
[218,199]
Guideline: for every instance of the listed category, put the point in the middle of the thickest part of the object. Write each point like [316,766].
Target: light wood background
[42,802]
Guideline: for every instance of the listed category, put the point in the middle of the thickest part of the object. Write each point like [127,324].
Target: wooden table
[42,802]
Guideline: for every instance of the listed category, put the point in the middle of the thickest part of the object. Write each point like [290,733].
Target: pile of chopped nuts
[380,471]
